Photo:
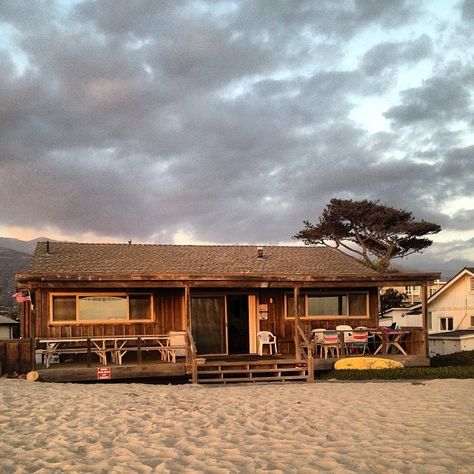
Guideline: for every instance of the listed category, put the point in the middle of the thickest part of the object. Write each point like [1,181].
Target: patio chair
[331,343]
[176,339]
[317,336]
[266,338]
[360,341]
[347,335]
[371,340]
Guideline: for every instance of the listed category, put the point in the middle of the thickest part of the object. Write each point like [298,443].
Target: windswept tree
[391,298]
[374,232]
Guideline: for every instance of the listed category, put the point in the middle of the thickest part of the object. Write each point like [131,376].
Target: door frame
[252,317]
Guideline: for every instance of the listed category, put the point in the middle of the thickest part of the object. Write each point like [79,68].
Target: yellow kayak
[367,363]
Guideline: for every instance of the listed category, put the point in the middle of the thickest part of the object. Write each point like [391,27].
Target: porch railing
[191,356]
[306,354]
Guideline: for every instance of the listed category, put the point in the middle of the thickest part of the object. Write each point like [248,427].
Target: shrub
[408,373]
[457,358]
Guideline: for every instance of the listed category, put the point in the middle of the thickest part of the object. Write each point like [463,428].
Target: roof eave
[381,279]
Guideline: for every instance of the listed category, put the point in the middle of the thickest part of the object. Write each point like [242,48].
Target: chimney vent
[260,252]
[129,242]
[47,247]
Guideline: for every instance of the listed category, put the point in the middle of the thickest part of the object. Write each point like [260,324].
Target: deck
[215,369]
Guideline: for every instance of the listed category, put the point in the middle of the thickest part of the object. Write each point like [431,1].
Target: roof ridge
[126,244]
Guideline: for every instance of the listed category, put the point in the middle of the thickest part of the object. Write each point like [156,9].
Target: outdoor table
[75,345]
[143,343]
[390,337]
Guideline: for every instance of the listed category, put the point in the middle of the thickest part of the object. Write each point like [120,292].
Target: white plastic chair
[266,337]
[360,340]
[318,337]
[330,343]
[176,338]
[348,340]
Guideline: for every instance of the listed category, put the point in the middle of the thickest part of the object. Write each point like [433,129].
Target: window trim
[78,322]
[328,316]
[447,319]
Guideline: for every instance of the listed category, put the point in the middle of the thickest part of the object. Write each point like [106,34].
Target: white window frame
[446,319]
[78,321]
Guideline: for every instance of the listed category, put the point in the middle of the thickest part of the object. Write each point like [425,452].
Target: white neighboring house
[401,316]
[452,307]
[450,315]
[7,327]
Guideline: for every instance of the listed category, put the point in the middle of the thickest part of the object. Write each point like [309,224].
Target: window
[430,320]
[471,285]
[329,305]
[446,324]
[412,290]
[100,308]
[472,320]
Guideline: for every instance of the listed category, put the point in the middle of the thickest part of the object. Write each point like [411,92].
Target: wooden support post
[424,317]
[296,293]
[191,348]
[187,306]
[384,342]
[310,364]
[139,350]
[89,352]
[32,321]
[194,372]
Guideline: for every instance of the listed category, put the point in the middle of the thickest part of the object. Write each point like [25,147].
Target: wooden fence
[15,356]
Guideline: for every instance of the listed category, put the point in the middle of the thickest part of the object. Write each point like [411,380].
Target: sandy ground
[422,427]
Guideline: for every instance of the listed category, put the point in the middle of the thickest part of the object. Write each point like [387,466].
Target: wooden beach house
[207,303]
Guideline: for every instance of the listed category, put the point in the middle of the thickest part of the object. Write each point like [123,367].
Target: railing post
[310,364]
[89,352]
[296,293]
[139,350]
[194,377]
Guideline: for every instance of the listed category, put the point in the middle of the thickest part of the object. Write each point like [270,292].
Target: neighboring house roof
[466,270]
[58,259]
[8,321]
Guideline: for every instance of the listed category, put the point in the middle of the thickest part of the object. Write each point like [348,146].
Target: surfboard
[367,363]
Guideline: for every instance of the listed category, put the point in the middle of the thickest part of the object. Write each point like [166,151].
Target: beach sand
[389,427]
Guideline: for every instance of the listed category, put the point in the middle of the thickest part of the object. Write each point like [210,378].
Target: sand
[389,427]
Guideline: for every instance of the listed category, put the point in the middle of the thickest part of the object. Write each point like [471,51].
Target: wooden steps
[214,372]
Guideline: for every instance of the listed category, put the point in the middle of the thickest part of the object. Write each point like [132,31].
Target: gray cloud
[231,121]
[467,10]
[439,98]
[389,55]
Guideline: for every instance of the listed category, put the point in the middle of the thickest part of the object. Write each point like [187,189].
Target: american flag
[22,296]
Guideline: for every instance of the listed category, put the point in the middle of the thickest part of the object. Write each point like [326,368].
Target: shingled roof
[61,258]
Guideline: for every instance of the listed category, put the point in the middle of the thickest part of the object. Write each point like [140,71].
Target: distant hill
[24,246]
[11,262]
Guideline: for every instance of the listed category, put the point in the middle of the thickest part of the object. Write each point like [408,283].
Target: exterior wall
[449,345]
[413,292]
[168,315]
[457,302]
[5,331]
[283,327]
[400,316]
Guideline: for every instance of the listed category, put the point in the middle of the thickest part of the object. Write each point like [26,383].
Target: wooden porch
[222,370]
[140,360]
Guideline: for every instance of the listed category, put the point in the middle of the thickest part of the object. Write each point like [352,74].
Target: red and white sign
[104,373]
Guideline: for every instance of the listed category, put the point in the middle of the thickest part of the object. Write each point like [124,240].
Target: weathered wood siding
[283,328]
[168,315]
[15,356]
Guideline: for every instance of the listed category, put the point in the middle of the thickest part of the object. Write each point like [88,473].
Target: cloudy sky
[234,121]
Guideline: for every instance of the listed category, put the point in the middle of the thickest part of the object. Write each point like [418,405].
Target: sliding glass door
[208,324]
